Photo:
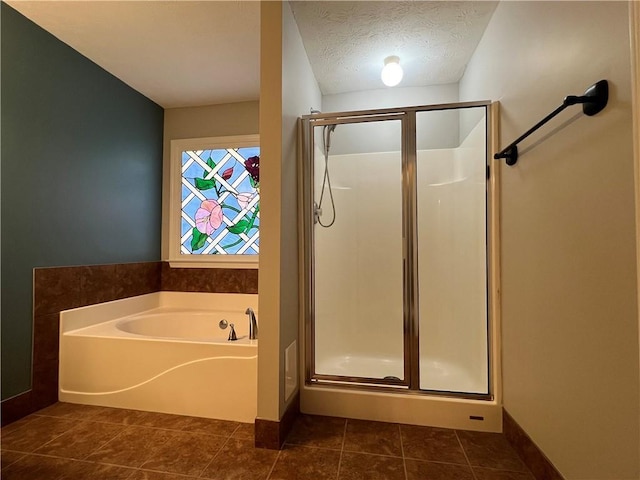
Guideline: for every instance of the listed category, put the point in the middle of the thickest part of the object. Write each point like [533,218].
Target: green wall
[81,174]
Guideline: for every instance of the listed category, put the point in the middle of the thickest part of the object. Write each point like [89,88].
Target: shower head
[327,131]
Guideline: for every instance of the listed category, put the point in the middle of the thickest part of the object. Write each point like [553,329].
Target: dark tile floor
[77,442]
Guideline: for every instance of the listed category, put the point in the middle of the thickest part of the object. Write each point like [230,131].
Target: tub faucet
[253,324]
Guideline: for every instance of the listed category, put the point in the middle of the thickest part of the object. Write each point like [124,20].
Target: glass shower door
[451,185]
[359,321]
[395,209]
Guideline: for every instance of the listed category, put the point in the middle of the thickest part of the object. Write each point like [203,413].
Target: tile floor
[77,442]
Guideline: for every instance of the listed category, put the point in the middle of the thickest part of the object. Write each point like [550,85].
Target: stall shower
[396,247]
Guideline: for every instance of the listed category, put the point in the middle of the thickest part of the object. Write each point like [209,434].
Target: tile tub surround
[66,441]
[62,288]
[210,280]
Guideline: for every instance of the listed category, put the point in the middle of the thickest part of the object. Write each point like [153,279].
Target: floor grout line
[108,442]
[16,460]
[102,445]
[473,474]
[373,454]
[52,439]
[215,456]
[312,446]
[437,461]
[164,472]
[509,470]
[301,445]
[404,462]
[51,456]
[88,462]
[344,437]
[274,465]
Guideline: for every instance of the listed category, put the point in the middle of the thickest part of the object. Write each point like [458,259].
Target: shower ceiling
[184,53]
[347,42]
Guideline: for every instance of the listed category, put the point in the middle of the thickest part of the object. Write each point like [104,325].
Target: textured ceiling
[177,53]
[347,42]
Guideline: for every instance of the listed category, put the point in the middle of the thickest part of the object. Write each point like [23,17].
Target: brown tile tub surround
[66,441]
[211,280]
[533,457]
[44,374]
[62,288]
[17,407]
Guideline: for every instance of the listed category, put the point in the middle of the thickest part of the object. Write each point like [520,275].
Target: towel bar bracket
[510,155]
[595,98]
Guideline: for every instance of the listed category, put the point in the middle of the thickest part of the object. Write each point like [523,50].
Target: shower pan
[397,249]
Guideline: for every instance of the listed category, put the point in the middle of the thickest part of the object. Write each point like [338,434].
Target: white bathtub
[162,352]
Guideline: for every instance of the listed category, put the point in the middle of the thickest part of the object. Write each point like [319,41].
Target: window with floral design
[216,201]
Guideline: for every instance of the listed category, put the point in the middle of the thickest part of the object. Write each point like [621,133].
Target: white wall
[198,122]
[287,90]
[569,319]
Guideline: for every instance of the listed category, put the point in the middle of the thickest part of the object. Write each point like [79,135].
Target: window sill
[218,263]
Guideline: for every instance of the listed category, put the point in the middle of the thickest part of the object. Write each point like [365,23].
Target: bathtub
[162,352]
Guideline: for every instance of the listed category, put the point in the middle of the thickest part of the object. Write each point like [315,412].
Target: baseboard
[17,407]
[271,434]
[533,457]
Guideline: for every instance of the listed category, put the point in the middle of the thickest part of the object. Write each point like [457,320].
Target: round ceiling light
[392,71]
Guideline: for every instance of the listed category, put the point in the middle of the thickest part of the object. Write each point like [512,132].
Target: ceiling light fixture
[392,71]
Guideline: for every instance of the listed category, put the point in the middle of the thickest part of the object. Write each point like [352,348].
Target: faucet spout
[253,324]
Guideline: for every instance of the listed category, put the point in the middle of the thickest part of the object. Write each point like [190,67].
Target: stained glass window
[220,201]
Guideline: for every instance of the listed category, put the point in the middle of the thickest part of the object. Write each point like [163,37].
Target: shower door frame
[407,116]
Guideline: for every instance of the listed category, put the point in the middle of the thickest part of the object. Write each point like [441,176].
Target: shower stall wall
[396,248]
